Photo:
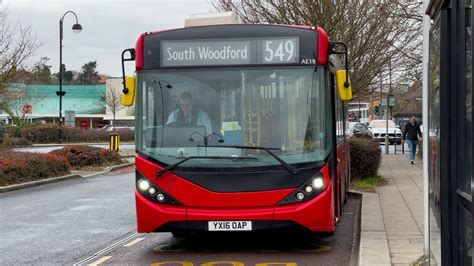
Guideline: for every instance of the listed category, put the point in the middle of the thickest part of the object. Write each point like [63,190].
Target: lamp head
[77,28]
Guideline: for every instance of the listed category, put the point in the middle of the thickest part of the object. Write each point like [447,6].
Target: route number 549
[280,51]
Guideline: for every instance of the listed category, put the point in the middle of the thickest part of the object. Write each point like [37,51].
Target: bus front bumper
[316,215]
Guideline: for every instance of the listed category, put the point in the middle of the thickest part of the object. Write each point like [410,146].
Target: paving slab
[392,218]
[373,241]
[401,203]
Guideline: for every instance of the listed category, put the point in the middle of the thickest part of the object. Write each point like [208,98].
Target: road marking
[134,242]
[277,264]
[183,263]
[106,249]
[230,263]
[317,249]
[99,261]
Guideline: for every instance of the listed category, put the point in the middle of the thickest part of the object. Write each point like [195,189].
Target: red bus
[236,129]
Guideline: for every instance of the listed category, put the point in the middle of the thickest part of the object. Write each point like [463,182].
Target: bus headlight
[309,190]
[299,196]
[318,182]
[152,192]
[160,197]
[143,185]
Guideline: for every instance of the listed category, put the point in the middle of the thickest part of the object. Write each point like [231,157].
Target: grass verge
[368,184]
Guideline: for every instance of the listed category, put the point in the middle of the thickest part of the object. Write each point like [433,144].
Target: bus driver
[187,113]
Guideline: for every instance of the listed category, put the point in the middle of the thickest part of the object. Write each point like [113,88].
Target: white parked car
[110,128]
[378,128]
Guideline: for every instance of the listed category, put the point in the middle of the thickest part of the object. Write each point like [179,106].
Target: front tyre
[323,234]
[180,234]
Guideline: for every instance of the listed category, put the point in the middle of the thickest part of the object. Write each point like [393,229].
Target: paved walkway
[392,219]
[401,202]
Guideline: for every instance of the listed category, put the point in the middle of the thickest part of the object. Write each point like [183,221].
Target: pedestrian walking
[410,134]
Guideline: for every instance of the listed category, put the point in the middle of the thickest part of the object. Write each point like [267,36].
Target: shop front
[450,132]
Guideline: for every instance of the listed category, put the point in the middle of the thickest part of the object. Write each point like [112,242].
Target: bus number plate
[230,226]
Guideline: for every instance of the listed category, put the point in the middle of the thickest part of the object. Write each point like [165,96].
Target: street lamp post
[386,110]
[76,28]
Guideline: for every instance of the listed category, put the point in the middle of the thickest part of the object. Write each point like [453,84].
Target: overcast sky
[109,27]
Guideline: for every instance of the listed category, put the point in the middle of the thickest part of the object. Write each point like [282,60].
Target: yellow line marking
[230,263]
[134,242]
[317,249]
[277,264]
[182,263]
[99,261]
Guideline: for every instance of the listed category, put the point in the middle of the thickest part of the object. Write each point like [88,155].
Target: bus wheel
[322,234]
[179,234]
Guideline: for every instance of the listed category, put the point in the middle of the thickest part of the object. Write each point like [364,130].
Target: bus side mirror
[128,93]
[343,86]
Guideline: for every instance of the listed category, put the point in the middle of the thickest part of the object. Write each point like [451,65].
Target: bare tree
[113,100]
[376,32]
[17,45]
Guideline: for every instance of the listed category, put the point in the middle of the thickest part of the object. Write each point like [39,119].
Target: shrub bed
[20,167]
[80,156]
[15,142]
[49,134]
[365,157]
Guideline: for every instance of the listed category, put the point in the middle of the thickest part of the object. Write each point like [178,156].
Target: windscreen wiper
[172,166]
[287,166]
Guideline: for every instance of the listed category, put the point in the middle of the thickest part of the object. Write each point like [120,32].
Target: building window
[434,144]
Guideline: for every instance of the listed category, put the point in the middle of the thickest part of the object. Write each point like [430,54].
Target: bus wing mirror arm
[128,91]
[131,58]
[346,59]
[342,76]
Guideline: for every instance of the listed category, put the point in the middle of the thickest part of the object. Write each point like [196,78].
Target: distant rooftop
[83,99]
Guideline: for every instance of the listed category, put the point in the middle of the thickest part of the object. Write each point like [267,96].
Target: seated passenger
[187,113]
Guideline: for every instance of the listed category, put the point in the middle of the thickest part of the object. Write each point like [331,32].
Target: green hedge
[80,155]
[15,142]
[20,167]
[365,157]
[49,134]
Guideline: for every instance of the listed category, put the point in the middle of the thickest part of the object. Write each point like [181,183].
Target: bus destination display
[230,52]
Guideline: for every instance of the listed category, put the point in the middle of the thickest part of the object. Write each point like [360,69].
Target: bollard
[114,141]
[395,143]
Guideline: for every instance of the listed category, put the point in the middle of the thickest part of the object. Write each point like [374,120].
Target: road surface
[87,220]
[60,222]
